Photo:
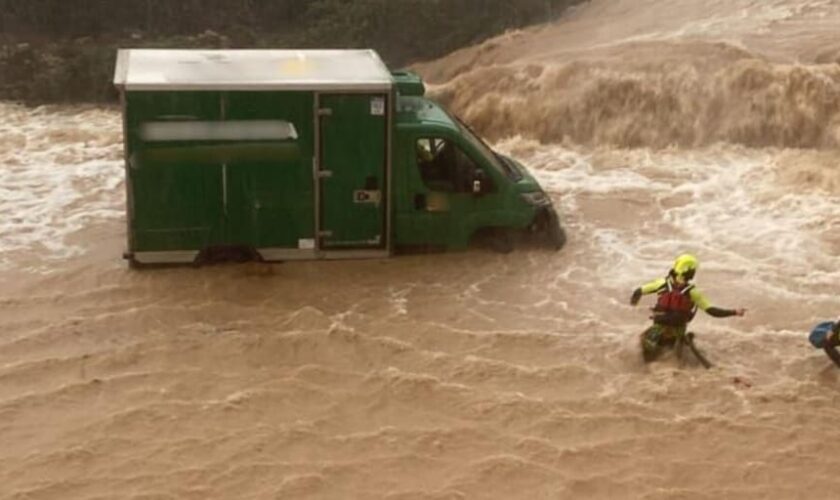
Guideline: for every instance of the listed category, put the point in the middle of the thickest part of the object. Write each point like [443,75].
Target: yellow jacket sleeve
[699,299]
[653,286]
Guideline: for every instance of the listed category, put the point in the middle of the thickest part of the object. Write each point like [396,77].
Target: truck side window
[443,166]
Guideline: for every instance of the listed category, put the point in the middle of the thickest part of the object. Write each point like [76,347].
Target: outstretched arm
[703,303]
[719,312]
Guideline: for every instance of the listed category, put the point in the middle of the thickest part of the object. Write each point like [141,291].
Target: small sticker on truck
[377,106]
[367,196]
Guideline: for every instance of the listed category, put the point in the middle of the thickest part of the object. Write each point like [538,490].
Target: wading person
[826,336]
[677,302]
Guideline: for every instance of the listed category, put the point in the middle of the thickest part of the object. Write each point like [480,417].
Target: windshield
[497,160]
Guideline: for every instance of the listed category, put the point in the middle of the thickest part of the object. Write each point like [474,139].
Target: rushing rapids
[658,126]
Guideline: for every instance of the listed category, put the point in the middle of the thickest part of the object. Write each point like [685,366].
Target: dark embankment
[63,51]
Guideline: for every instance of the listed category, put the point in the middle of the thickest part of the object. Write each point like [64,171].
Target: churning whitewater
[657,126]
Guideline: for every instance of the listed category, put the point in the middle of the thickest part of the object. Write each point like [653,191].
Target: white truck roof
[333,70]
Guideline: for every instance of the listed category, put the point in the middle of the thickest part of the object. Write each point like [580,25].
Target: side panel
[270,191]
[353,162]
[220,168]
[175,204]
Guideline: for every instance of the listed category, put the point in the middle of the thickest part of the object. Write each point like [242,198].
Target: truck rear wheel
[227,253]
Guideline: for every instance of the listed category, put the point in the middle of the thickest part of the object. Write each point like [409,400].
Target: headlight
[536,198]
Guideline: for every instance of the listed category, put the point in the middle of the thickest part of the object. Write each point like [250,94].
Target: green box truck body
[301,155]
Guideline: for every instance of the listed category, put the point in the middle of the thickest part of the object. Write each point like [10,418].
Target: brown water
[658,126]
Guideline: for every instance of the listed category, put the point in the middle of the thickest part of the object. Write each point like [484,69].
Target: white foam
[62,174]
[723,203]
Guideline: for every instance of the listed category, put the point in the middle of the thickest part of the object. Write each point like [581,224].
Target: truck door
[352,171]
[446,203]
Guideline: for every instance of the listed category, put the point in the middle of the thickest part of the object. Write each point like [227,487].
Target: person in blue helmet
[677,303]
[826,336]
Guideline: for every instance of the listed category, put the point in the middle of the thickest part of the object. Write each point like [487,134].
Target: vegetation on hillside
[64,50]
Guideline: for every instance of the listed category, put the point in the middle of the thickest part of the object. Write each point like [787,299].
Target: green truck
[306,154]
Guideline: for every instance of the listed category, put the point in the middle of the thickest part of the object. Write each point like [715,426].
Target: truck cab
[450,187]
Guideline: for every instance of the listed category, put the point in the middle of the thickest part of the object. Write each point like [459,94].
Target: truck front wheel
[547,230]
[497,239]
[501,240]
[555,236]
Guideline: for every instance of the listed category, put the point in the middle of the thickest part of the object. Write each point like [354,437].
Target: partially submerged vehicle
[306,154]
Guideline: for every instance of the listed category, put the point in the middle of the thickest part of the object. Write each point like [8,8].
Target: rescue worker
[826,336]
[677,302]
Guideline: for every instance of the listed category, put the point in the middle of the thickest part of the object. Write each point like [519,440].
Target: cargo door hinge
[325,112]
[324,174]
[325,234]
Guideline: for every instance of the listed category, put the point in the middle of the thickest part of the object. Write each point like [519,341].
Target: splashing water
[657,126]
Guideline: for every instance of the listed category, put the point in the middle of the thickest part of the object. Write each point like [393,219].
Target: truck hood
[527,183]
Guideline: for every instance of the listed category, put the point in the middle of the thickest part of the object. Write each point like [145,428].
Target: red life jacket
[674,305]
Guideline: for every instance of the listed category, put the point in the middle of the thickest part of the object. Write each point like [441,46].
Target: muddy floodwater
[657,127]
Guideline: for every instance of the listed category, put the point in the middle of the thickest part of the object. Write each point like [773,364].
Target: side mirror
[479,178]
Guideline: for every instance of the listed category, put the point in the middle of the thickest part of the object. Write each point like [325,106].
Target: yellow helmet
[686,265]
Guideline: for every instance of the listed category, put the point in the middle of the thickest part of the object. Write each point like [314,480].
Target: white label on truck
[367,196]
[377,106]
[306,244]
[234,130]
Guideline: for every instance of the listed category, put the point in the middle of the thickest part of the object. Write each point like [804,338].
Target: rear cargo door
[175,190]
[352,170]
